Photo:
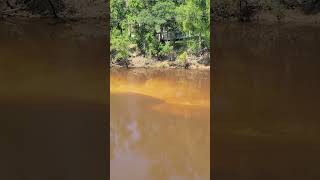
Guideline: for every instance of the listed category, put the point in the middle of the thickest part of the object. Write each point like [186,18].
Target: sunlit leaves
[145,22]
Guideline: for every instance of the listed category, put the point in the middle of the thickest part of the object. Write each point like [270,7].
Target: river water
[53,100]
[160,124]
[266,102]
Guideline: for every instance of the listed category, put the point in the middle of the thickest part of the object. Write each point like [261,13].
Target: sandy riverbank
[192,62]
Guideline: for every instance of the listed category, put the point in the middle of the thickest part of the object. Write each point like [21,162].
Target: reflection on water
[267,84]
[160,125]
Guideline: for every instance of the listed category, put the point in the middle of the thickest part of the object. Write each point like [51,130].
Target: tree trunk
[199,41]
[161,34]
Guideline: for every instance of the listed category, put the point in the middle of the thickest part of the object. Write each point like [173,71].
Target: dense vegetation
[247,10]
[161,29]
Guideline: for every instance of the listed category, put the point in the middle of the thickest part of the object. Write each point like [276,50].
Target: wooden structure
[172,36]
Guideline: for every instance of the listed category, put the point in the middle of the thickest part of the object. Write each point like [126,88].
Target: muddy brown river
[160,124]
[266,102]
[53,100]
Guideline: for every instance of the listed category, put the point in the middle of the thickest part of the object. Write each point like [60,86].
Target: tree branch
[10,11]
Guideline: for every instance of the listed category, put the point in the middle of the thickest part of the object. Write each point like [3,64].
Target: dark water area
[160,124]
[266,102]
[52,101]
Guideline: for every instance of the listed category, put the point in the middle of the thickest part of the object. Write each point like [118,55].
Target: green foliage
[147,24]
[194,19]
[152,45]
[119,46]
[118,13]
[165,49]
[163,13]
[193,47]
[206,39]
[193,16]
[182,58]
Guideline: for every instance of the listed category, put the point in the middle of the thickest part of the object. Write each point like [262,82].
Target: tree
[194,19]
[119,46]
[147,24]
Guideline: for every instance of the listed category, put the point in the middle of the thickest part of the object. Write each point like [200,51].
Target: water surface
[266,102]
[160,124]
[52,101]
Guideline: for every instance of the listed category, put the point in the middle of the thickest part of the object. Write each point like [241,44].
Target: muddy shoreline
[159,66]
[143,62]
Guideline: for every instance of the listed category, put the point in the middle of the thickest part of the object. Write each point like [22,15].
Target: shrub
[152,45]
[193,47]
[119,46]
[182,58]
[165,49]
